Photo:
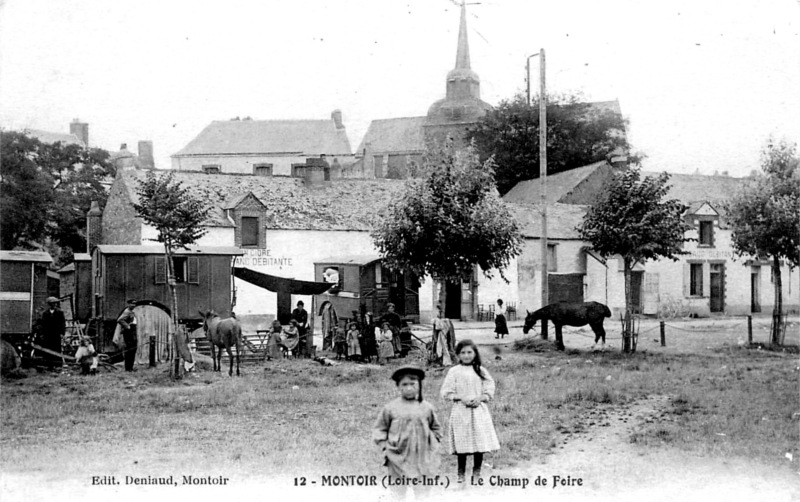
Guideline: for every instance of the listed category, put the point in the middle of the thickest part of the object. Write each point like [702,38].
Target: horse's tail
[606,311]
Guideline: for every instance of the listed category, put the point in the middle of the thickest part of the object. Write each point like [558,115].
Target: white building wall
[291,254]
[670,280]
[243,164]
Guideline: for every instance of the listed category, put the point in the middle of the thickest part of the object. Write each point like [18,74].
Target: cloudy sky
[702,82]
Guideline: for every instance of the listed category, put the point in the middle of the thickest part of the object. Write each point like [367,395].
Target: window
[262,170]
[333,275]
[249,231]
[179,268]
[706,233]
[696,279]
[211,169]
[186,269]
[552,258]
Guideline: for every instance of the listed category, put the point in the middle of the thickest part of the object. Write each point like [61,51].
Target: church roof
[400,135]
[346,204]
[298,137]
[54,137]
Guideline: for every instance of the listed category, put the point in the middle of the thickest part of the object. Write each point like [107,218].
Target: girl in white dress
[469,387]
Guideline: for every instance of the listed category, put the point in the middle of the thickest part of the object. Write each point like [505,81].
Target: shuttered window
[193,274]
[161,270]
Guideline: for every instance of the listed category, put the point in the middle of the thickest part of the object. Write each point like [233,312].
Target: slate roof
[401,135]
[562,219]
[298,137]
[346,204]
[54,137]
[691,189]
[559,185]
[159,250]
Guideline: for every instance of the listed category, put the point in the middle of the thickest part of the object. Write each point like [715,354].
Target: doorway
[717,287]
[637,278]
[452,307]
[755,289]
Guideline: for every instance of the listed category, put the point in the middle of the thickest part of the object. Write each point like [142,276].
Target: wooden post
[152,351]
[749,330]
[663,335]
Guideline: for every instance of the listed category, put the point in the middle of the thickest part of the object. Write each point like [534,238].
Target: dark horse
[223,333]
[571,314]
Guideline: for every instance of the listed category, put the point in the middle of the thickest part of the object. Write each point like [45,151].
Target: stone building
[266,147]
[709,280]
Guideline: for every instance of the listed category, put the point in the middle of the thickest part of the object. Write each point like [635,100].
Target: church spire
[462,54]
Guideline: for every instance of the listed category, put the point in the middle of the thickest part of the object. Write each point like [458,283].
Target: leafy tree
[578,134]
[765,217]
[630,219]
[178,216]
[47,189]
[449,220]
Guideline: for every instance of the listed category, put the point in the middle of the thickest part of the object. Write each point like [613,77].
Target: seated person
[87,357]
[291,337]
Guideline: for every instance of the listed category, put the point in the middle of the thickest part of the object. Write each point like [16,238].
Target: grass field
[296,418]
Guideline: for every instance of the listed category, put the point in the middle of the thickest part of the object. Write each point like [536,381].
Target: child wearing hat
[409,433]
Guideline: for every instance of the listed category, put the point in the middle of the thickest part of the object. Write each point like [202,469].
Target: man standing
[301,316]
[52,326]
[127,320]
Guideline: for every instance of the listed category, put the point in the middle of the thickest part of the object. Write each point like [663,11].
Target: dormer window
[211,169]
[706,233]
[262,170]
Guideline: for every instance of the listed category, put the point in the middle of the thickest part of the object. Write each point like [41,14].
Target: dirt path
[597,459]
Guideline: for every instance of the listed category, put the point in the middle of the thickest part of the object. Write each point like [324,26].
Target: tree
[765,217]
[578,134]
[449,220]
[630,219]
[178,216]
[47,189]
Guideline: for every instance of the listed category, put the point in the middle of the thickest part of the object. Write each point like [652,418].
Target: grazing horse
[571,314]
[223,333]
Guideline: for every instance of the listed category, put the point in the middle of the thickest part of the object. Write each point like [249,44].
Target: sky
[703,83]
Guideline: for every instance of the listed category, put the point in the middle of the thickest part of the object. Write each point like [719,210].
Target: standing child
[384,338]
[339,342]
[274,342]
[353,347]
[500,324]
[469,387]
[409,433]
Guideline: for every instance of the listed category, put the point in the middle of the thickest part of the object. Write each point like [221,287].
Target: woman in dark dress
[500,325]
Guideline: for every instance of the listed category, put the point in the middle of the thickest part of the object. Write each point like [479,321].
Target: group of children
[364,344]
[409,433]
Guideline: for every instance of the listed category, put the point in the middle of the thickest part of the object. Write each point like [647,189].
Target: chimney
[316,173]
[81,130]
[146,155]
[94,229]
[336,116]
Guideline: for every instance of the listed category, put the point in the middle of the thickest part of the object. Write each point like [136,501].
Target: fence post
[749,330]
[663,335]
[152,351]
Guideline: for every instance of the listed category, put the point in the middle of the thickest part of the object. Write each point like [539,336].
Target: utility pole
[542,168]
